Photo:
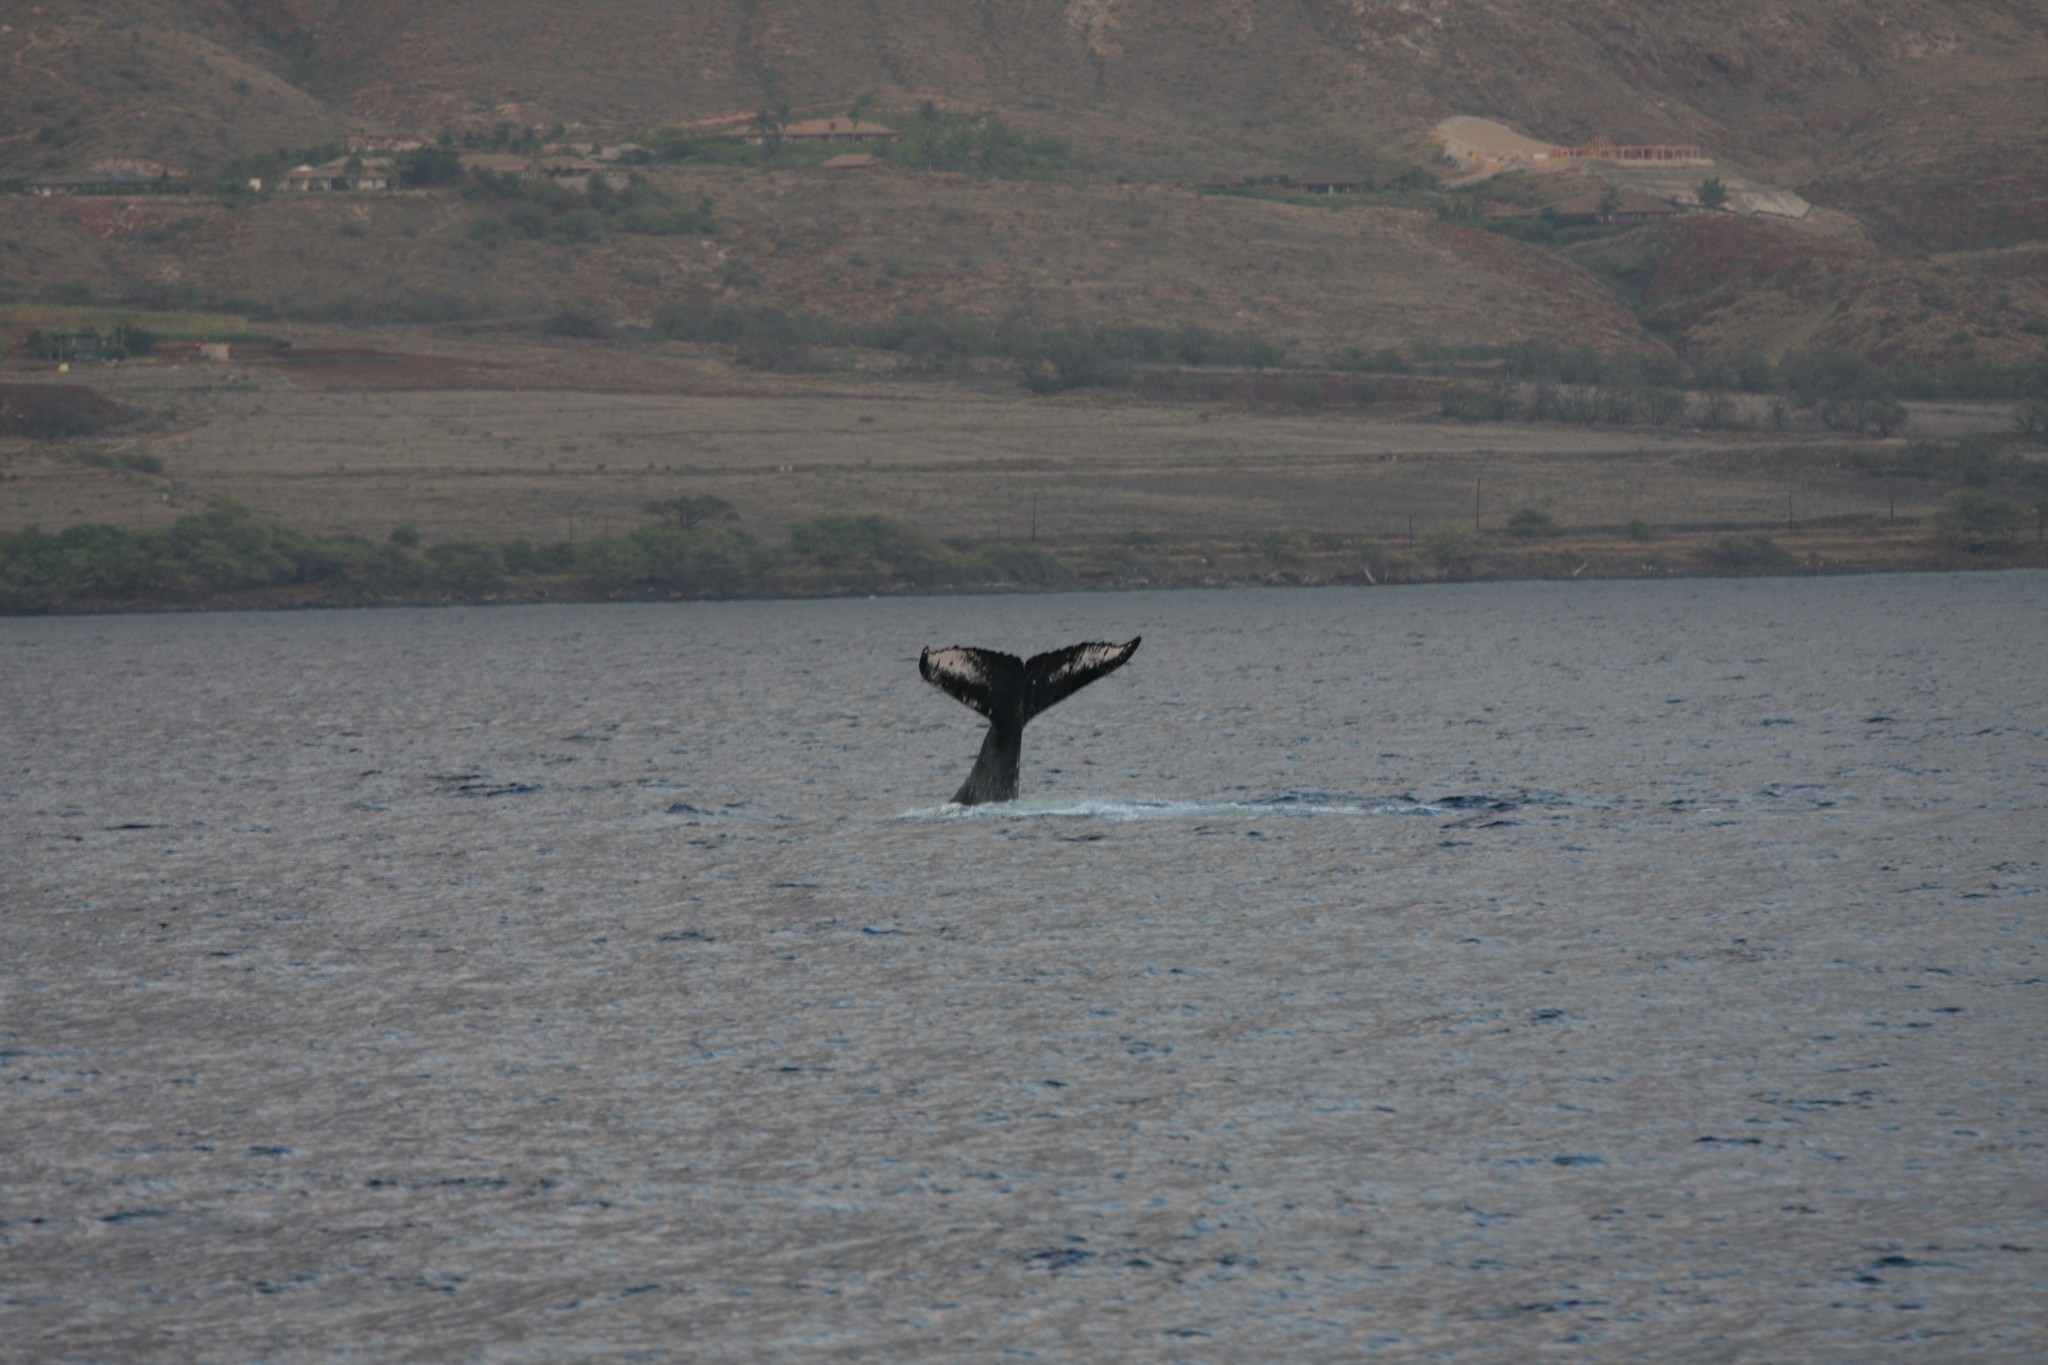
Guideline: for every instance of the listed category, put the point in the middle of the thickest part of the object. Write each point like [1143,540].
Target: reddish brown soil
[42,410]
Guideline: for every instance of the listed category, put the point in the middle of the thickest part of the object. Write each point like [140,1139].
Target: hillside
[1917,126]
[1818,89]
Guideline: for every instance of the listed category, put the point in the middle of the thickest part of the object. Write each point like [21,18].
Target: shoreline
[1163,568]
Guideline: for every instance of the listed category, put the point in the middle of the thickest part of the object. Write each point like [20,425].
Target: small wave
[732,810]
[1286,806]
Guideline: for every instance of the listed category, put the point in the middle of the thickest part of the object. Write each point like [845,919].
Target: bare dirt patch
[55,410]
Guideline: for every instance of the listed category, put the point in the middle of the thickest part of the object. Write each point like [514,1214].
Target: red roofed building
[1626,206]
[828,130]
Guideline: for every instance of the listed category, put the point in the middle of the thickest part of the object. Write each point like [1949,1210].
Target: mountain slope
[1823,85]
[190,85]
[1922,124]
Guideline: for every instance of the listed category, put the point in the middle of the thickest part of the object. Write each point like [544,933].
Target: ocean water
[1596,971]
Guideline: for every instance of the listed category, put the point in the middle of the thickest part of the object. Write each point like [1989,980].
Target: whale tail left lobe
[1011,692]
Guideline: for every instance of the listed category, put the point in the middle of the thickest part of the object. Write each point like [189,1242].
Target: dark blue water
[1606,970]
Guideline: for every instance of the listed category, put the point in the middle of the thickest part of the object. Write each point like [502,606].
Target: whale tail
[1011,692]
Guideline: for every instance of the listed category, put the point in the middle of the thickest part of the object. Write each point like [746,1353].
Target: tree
[769,122]
[861,104]
[1712,193]
[429,166]
[1451,544]
[1661,407]
[1471,403]
[1978,522]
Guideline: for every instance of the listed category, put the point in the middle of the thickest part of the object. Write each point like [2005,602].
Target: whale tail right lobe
[1011,692]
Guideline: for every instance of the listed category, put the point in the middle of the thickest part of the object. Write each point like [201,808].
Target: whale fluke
[1010,692]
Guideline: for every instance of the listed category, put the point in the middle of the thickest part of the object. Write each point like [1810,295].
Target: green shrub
[867,547]
[1055,362]
[770,339]
[467,565]
[1746,552]
[526,219]
[579,225]
[1661,407]
[1979,522]
[980,146]
[1451,544]
[523,557]
[700,558]
[228,546]
[1470,403]
[1530,524]
[428,166]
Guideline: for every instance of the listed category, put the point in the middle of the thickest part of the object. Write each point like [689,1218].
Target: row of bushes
[1967,520]
[1536,379]
[1050,356]
[228,548]
[1976,460]
[531,209]
[932,140]
[1594,404]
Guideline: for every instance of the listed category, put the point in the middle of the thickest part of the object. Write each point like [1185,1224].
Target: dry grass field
[497,438]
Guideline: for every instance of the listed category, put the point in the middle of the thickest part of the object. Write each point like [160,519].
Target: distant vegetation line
[1053,355]
[227,549]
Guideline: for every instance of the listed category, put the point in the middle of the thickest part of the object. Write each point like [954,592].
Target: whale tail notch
[1011,692]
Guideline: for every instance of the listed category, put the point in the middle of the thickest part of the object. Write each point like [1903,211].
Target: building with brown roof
[1593,205]
[1326,184]
[349,173]
[1604,148]
[828,130]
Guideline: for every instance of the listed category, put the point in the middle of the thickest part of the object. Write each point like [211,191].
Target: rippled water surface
[1601,971]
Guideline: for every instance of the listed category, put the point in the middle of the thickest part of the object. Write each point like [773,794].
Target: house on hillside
[1594,205]
[346,173]
[498,163]
[827,130]
[1326,184]
[571,172]
[373,142]
[1603,148]
[94,182]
